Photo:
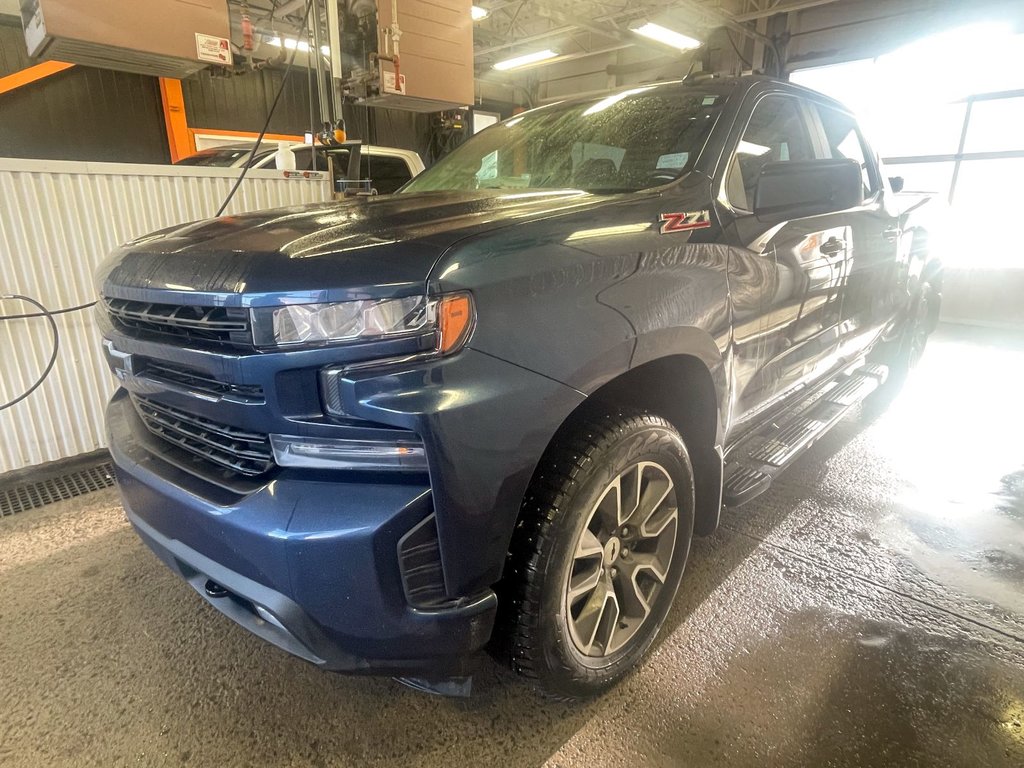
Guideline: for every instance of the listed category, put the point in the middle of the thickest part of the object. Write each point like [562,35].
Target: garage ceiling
[596,49]
[579,27]
[585,26]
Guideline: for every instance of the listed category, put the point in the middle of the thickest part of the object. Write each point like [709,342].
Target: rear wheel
[903,353]
[599,552]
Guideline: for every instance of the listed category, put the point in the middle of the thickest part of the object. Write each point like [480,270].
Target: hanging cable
[54,312]
[54,333]
[270,114]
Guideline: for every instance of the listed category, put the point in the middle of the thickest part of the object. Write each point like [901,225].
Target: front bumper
[304,561]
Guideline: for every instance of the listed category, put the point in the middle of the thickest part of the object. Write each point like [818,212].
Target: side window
[776,132]
[303,159]
[844,140]
[387,173]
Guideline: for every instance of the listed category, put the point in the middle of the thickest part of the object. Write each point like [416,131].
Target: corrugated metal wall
[81,113]
[241,103]
[58,220]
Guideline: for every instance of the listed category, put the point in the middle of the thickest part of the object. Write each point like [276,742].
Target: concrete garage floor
[868,611]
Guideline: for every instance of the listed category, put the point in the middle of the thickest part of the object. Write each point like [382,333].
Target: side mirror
[896,183]
[795,189]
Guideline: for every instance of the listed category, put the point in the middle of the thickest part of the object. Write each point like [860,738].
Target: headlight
[449,317]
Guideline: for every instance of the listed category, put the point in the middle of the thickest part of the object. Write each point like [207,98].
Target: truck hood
[375,246]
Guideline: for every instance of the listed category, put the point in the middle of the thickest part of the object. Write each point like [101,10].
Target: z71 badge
[684,222]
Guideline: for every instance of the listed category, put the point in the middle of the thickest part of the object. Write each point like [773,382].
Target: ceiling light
[290,44]
[526,60]
[666,36]
[478,13]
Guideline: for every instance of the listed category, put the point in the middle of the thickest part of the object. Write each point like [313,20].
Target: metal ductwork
[165,38]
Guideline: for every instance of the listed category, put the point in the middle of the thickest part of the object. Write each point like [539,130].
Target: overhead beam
[728,21]
[798,5]
[573,25]
[524,41]
[32,74]
[625,38]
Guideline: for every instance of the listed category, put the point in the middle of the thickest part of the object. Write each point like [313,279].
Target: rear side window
[776,132]
[304,160]
[845,140]
[386,173]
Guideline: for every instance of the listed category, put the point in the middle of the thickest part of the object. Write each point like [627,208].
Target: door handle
[832,246]
[891,234]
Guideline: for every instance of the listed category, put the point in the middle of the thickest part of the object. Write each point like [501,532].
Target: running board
[760,458]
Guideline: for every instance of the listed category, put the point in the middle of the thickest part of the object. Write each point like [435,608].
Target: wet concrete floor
[867,611]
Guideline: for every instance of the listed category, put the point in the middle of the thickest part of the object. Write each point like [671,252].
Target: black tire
[562,500]
[903,353]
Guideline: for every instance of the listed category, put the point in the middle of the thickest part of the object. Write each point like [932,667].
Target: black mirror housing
[896,183]
[795,189]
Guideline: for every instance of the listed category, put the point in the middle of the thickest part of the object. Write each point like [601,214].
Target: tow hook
[213,589]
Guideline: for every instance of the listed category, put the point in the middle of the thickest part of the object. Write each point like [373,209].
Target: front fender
[690,342]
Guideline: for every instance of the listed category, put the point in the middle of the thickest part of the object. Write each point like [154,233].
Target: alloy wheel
[621,559]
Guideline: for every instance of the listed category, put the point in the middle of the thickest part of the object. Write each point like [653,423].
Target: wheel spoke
[609,624]
[589,546]
[655,492]
[656,524]
[581,584]
[646,562]
[588,622]
[634,604]
[608,508]
[630,485]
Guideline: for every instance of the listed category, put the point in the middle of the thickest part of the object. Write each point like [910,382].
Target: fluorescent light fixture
[302,45]
[667,36]
[478,13]
[526,60]
[290,44]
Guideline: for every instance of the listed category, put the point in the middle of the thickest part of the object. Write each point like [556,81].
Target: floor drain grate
[19,498]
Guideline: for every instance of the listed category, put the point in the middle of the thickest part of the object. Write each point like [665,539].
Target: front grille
[227,325]
[231,448]
[198,383]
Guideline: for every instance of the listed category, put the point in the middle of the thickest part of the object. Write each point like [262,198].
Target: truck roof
[725,85]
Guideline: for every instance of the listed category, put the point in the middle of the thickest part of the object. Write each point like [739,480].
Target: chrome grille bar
[239,450]
[224,324]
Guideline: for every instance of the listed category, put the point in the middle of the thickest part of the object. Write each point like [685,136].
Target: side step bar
[760,458]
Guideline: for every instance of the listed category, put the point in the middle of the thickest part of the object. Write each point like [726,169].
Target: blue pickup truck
[493,409]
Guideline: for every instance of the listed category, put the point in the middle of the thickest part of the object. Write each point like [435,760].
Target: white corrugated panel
[58,221]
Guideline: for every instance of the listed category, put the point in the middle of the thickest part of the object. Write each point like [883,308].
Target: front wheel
[599,552]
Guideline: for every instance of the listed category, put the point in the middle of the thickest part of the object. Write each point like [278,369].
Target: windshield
[631,140]
[220,158]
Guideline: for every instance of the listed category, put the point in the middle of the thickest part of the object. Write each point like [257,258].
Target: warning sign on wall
[214,49]
[390,85]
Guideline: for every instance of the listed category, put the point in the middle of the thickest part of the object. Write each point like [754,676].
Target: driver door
[786,279]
